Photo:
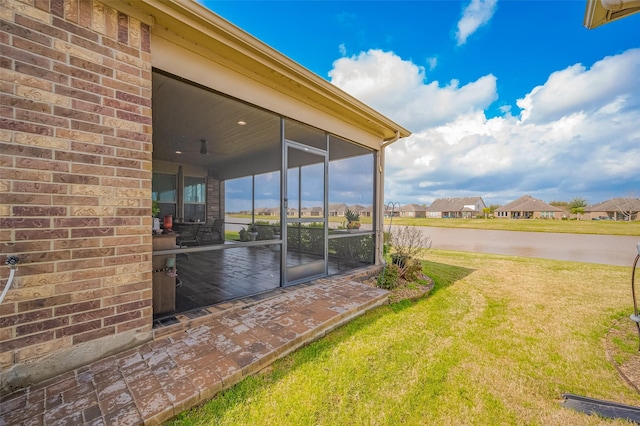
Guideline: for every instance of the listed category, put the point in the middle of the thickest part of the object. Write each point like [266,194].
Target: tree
[486,212]
[577,206]
[628,207]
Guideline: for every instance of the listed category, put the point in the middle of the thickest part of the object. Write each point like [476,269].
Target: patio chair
[212,232]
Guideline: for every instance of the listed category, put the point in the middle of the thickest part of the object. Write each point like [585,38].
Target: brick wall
[75,175]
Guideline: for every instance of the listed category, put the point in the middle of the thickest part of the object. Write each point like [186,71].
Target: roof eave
[263,63]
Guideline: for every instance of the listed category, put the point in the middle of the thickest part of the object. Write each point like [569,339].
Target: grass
[599,227]
[497,342]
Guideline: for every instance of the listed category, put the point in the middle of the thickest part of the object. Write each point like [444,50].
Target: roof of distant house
[453,204]
[615,204]
[527,203]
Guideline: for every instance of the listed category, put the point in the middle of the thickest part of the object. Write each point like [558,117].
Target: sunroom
[245,193]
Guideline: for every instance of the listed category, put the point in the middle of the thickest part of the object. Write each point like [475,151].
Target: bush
[388,279]
[413,270]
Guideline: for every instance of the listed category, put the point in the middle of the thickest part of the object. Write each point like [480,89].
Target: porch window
[194,199]
[164,192]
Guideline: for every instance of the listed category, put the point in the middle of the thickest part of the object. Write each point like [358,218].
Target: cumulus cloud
[398,88]
[576,135]
[474,16]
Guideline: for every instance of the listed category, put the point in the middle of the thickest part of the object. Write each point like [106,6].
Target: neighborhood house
[127,130]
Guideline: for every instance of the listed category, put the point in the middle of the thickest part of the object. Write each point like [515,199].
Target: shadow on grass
[212,411]
[444,275]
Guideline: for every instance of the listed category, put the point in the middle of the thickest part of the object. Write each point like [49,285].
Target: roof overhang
[600,12]
[196,27]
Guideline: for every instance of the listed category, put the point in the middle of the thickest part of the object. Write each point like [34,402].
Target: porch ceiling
[183,114]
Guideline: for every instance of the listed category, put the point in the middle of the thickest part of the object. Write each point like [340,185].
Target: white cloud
[576,135]
[397,88]
[475,15]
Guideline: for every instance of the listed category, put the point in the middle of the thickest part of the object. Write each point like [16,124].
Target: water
[603,249]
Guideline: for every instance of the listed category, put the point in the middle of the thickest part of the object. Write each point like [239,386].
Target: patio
[192,359]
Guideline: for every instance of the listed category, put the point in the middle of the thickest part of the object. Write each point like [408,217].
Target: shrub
[413,270]
[388,278]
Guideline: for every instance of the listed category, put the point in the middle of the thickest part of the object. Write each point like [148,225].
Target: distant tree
[560,204]
[493,207]
[577,206]
[628,206]
[486,212]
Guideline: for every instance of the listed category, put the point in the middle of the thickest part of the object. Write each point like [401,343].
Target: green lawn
[497,342]
[601,227]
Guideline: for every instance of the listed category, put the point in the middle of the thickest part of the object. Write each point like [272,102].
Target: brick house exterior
[76,171]
[76,166]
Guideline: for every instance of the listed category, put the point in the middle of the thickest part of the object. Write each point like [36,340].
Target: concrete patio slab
[191,361]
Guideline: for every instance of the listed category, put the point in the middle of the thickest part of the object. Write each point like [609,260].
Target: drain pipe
[12,261]
[635,317]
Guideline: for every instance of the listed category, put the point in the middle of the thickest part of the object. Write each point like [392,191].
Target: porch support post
[379,206]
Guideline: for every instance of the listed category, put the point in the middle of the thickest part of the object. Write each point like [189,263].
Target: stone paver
[155,381]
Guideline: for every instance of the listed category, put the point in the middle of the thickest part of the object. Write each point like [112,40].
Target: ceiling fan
[204,148]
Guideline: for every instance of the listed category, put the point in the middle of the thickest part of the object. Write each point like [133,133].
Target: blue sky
[504,98]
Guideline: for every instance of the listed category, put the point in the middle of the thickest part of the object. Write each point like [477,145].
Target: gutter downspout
[380,197]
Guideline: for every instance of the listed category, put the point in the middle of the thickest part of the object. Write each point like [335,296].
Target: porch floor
[193,360]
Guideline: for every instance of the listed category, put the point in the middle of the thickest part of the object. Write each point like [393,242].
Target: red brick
[128,97]
[39,211]
[23,342]
[20,31]
[17,54]
[25,127]
[91,128]
[74,222]
[40,27]
[31,305]
[39,48]
[42,234]
[26,317]
[74,265]
[43,73]
[24,247]
[22,223]
[78,328]
[92,148]
[77,307]
[47,188]
[36,327]
[76,114]
[101,253]
[76,93]
[27,104]
[91,66]
[92,232]
[81,243]
[37,164]
[75,178]
[91,315]
[45,256]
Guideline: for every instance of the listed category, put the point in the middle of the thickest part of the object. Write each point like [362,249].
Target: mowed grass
[599,227]
[497,342]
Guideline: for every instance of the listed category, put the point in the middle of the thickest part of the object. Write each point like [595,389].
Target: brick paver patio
[154,382]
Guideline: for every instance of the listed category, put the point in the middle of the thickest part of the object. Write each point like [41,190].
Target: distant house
[338,209]
[413,210]
[614,209]
[364,211]
[527,207]
[464,207]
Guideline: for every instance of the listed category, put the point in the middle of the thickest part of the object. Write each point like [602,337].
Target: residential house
[614,209]
[527,207]
[455,208]
[413,210]
[338,209]
[109,106]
